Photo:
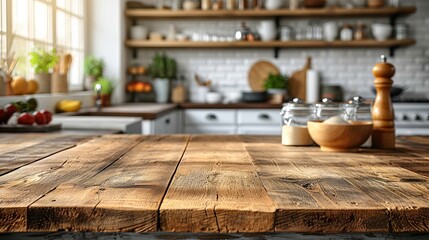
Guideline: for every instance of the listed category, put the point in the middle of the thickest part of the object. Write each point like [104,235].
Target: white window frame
[60,48]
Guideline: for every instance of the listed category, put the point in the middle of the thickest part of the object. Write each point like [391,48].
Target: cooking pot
[255,97]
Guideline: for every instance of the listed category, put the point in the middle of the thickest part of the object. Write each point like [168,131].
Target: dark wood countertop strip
[146,111]
[129,183]
[231,106]
[151,111]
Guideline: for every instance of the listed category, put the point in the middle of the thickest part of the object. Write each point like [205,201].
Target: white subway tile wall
[350,68]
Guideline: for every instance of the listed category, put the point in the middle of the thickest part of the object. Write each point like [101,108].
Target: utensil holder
[44,82]
[59,83]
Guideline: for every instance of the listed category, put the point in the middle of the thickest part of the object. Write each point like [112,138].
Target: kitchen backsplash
[350,68]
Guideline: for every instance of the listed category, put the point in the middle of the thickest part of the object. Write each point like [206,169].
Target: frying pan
[395,91]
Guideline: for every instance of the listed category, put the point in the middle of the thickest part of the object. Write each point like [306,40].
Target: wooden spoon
[67,61]
[12,66]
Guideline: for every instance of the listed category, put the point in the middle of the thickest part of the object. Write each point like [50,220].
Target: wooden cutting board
[259,73]
[298,82]
[30,129]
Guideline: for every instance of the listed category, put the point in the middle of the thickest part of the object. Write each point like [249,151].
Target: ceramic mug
[330,31]
[267,30]
[273,4]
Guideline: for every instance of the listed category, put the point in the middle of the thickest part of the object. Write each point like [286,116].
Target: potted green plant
[93,68]
[106,90]
[276,85]
[162,70]
[43,62]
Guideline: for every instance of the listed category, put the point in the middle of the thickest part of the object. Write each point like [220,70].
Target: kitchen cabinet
[127,125]
[388,12]
[210,121]
[258,122]
[209,117]
[232,121]
[169,123]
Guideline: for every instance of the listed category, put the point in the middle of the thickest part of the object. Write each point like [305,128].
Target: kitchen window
[45,24]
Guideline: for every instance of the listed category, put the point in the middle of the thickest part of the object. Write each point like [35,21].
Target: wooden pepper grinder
[383,136]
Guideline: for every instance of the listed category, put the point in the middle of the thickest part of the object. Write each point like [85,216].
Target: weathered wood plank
[401,189]
[26,152]
[216,189]
[336,192]
[124,197]
[12,142]
[208,236]
[387,196]
[22,187]
[222,184]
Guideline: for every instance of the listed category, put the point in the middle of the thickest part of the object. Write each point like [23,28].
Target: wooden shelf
[273,44]
[323,12]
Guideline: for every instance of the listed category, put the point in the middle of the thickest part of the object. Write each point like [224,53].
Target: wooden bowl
[339,138]
[376,3]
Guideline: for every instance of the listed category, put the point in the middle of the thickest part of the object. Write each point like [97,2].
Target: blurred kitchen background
[344,39]
[228,68]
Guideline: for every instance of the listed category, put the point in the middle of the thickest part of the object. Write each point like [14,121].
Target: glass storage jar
[295,116]
[327,109]
[357,110]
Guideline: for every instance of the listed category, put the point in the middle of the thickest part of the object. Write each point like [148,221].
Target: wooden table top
[181,183]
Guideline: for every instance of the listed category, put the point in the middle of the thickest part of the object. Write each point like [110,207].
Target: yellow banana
[69,105]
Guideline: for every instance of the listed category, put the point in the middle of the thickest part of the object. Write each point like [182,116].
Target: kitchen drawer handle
[211,117]
[264,117]
[167,121]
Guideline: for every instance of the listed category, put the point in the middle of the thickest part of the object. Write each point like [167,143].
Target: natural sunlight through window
[46,24]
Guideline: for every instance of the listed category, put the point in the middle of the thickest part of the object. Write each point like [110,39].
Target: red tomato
[2,114]
[26,119]
[131,87]
[9,109]
[48,115]
[40,118]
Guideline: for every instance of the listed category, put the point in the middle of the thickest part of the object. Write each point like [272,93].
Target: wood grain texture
[216,189]
[214,184]
[208,236]
[22,187]
[309,188]
[27,152]
[124,197]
